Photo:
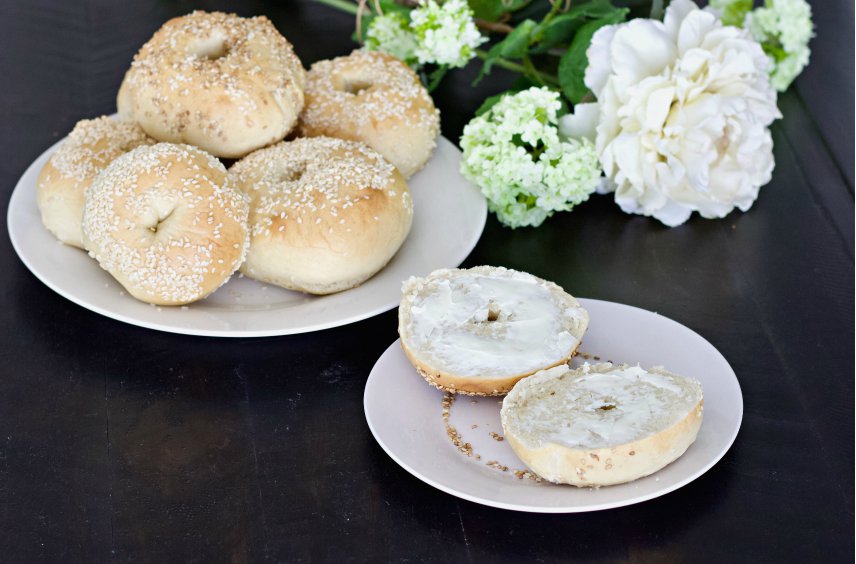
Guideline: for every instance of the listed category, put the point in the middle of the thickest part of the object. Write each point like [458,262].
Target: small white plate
[449,215]
[404,414]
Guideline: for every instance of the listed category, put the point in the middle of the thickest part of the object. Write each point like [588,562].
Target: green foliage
[561,29]
[491,101]
[545,45]
[733,11]
[392,6]
[435,76]
[514,46]
[572,66]
[493,10]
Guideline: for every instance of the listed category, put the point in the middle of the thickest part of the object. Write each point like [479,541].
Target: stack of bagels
[316,197]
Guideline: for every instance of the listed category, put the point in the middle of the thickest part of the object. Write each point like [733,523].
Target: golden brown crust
[226,84]
[471,386]
[327,214]
[165,221]
[89,148]
[376,99]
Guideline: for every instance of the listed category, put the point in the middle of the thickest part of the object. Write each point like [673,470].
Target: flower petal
[599,66]
[581,123]
[675,15]
[640,48]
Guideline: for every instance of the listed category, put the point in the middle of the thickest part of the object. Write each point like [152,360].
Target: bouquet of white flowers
[668,109]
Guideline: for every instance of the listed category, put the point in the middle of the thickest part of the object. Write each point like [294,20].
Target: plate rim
[17,205]
[571,509]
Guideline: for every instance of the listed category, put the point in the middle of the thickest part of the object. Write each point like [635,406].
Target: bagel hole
[293,174]
[212,49]
[161,220]
[492,312]
[355,86]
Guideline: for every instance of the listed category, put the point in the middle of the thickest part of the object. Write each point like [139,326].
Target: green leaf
[561,29]
[572,66]
[391,6]
[492,10]
[516,43]
[490,102]
[735,12]
[514,46]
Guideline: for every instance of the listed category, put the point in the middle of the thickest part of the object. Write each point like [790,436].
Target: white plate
[404,414]
[449,215]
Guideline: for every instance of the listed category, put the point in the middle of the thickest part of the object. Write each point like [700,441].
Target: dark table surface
[123,443]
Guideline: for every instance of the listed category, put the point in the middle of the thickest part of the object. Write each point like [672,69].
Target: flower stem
[531,71]
[342,5]
[512,66]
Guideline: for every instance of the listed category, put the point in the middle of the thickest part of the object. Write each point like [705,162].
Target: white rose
[684,107]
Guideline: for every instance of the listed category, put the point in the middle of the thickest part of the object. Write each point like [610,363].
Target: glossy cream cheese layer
[497,325]
[597,410]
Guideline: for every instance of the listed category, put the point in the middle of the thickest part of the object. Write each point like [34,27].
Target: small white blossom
[445,33]
[524,168]
[784,29]
[391,34]
[684,109]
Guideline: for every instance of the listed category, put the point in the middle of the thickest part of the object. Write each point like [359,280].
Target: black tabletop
[123,443]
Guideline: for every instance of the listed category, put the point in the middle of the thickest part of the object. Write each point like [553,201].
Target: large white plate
[405,415]
[449,215]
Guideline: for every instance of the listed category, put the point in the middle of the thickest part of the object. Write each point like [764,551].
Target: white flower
[525,170]
[784,29]
[684,108]
[391,34]
[445,34]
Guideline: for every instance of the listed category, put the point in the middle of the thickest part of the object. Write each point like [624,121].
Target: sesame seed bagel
[372,97]
[89,148]
[226,84]
[327,214]
[165,221]
[601,425]
[480,330]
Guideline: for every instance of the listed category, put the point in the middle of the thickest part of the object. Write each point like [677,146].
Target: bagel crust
[374,98]
[601,425]
[89,148]
[327,214]
[223,83]
[478,331]
[165,221]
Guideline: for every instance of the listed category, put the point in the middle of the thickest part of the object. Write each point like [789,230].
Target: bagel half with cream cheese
[601,424]
[480,330]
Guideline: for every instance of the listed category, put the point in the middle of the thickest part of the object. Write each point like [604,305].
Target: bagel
[62,182]
[480,330]
[327,214]
[165,221]
[374,98]
[601,425]
[226,84]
